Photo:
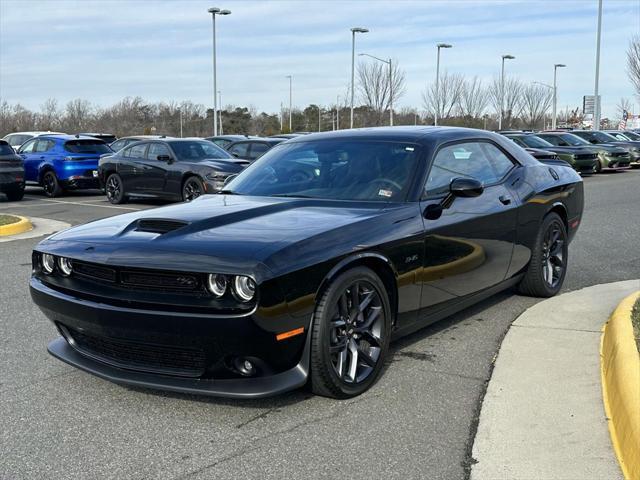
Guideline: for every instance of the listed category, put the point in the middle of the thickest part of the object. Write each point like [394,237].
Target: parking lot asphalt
[418,421]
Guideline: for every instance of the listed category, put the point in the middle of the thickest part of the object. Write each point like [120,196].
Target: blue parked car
[61,162]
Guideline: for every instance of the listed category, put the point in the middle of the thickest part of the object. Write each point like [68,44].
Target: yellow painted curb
[620,370]
[24,225]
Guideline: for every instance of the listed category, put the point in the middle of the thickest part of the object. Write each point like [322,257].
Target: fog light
[244,366]
[65,266]
[244,288]
[217,284]
[48,263]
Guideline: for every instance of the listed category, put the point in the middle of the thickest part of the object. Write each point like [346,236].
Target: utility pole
[596,108]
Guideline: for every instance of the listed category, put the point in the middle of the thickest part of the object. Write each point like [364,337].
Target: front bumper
[281,366]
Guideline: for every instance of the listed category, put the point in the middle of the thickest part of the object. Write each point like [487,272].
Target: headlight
[65,266]
[48,262]
[244,288]
[217,284]
[217,176]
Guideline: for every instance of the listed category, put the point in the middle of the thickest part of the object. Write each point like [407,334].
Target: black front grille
[175,281]
[97,272]
[155,225]
[164,359]
[619,154]
[587,156]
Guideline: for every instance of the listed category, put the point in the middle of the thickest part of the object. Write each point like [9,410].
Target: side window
[551,139]
[137,151]
[257,149]
[479,160]
[156,149]
[115,146]
[43,145]
[28,147]
[239,150]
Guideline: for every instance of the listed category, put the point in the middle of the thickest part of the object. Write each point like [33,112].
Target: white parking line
[92,205]
[51,201]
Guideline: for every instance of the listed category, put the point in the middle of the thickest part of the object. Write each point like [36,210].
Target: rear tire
[15,195]
[350,334]
[51,185]
[114,189]
[548,265]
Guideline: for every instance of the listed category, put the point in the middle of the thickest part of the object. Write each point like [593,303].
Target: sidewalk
[543,416]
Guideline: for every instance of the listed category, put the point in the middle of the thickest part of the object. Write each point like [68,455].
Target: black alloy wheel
[114,188]
[192,189]
[50,184]
[351,332]
[548,265]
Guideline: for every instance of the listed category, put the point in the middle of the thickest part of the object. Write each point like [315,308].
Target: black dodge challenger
[306,265]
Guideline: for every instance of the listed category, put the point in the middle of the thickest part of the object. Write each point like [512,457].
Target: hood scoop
[159,225]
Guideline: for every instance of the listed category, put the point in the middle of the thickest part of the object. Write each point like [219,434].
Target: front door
[469,243]
[30,160]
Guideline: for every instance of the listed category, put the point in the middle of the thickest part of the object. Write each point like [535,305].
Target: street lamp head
[559,65]
[225,12]
[508,57]
[444,45]
[359,30]
[213,10]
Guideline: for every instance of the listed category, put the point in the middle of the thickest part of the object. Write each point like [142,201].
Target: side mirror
[465,187]
[164,158]
[229,178]
[234,154]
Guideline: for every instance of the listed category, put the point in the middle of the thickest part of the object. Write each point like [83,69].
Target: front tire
[114,188]
[350,334]
[51,185]
[548,265]
[192,189]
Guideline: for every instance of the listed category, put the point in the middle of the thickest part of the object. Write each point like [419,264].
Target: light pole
[388,62]
[290,77]
[354,30]
[596,108]
[220,111]
[504,57]
[555,93]
[440,45]
[215,11]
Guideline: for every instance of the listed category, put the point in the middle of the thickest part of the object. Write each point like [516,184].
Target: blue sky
[161,49]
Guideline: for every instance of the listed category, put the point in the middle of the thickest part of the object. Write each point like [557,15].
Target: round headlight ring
[65,266]
[217,284]
[48,263]
[244,288]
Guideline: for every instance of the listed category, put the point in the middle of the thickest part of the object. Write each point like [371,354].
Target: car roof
[35,134]
[402,134]
[67,137]
[144,137]
[231,137]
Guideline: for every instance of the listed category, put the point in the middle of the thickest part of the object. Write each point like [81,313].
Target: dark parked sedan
[253,149]
[610,157]
[223,141]
[173,169]
[284,279]
[11,172]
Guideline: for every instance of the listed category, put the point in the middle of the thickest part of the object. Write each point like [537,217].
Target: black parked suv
[254,148]
[172,168]
[11,172]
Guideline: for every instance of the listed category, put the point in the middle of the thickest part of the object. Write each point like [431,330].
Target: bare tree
[448,96]
[474,98]
[623,106]
[373,86]
[633,62]
[512,104]
[77,116]
[50,115]
[536,101]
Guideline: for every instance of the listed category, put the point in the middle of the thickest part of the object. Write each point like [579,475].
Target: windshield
[87,146]
[532,141]
[574,140]
[599,137]
[17,140]
[336,170]
[194,151]
[632,135]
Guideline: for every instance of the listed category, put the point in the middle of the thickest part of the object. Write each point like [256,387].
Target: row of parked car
[141,166]
[181,169]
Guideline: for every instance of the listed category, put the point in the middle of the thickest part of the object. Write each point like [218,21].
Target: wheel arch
[44,168]
[379,264]
[561,210]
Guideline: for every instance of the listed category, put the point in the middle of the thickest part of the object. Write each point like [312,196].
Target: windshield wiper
[290,195]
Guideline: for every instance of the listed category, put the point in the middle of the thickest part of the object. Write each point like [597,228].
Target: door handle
[504,200]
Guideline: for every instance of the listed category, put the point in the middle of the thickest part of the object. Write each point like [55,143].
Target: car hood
[609,148]
[220,165]
[221,233]
[572,150]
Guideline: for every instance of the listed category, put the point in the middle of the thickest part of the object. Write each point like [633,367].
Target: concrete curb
[542,416]
[620,368]
[24,225]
